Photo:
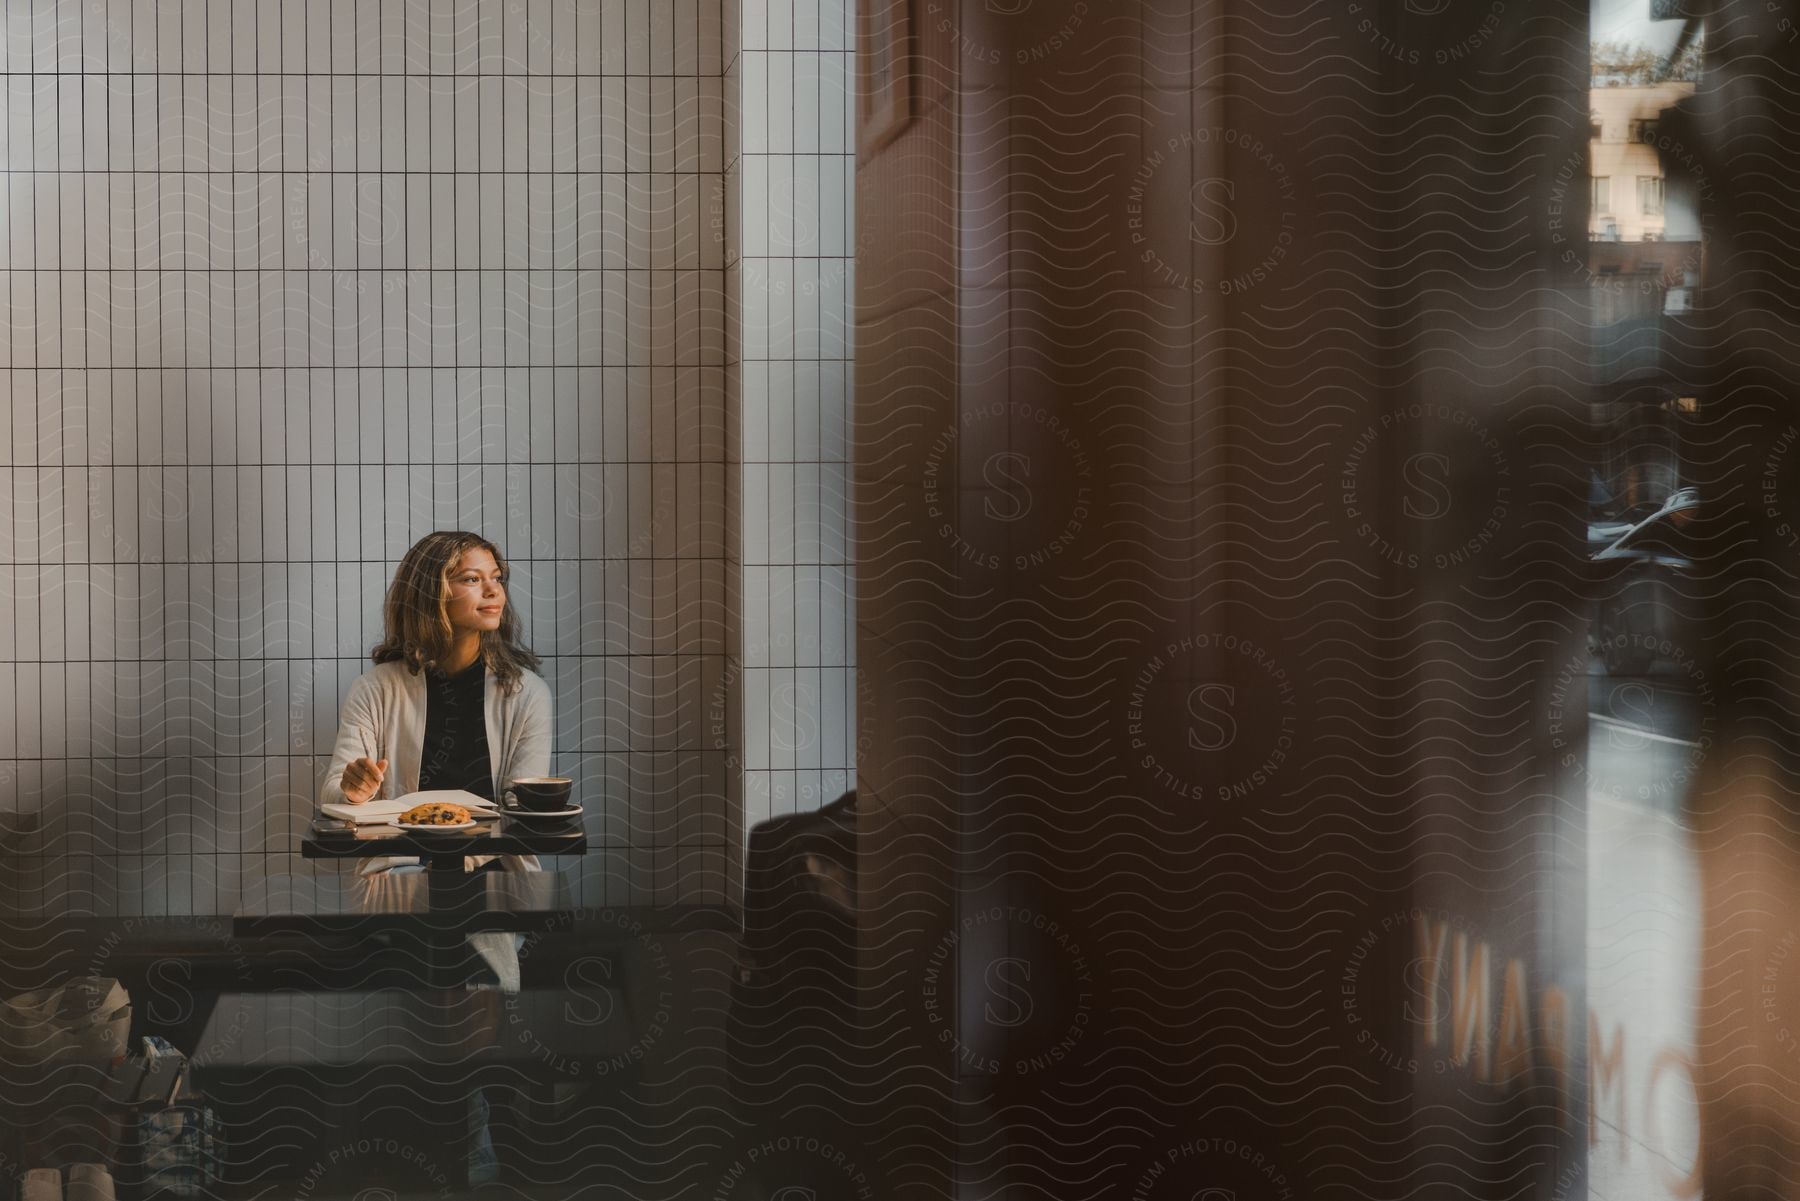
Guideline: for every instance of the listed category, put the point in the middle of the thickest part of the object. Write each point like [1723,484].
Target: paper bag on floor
[86,1018]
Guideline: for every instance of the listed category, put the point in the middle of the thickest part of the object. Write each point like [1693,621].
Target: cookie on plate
[436,813]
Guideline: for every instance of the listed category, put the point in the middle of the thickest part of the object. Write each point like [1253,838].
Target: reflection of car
[1648,551]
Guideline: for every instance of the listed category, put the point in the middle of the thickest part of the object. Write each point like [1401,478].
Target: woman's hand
[362,779]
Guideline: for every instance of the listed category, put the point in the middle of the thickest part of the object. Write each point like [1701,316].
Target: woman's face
[477,593]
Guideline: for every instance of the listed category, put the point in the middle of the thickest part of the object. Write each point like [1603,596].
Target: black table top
[507,836]
[456,1028]
[515,901]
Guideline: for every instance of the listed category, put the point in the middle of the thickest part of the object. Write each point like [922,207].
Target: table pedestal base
[452,894]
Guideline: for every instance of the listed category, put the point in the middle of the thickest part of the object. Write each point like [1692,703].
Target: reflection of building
[1644,264]
[1641,453]
[1628,202]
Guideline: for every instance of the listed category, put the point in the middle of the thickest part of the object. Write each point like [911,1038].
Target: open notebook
[384,812]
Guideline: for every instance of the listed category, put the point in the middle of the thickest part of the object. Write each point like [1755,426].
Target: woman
[452,701]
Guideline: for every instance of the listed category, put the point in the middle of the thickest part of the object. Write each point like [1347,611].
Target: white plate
[437,829]
[544,813]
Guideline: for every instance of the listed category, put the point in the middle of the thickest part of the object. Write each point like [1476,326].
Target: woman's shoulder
[532,686]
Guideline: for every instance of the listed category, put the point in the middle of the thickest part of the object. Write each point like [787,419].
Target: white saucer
[544,812]
[469,825]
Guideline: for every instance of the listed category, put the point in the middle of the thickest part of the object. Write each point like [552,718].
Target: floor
[688,1108]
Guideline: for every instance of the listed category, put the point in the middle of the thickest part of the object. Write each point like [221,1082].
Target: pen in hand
[363,777]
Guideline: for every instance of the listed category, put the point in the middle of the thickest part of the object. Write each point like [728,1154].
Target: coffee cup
[542,794]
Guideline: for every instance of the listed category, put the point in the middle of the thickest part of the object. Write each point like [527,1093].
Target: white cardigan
[384,718]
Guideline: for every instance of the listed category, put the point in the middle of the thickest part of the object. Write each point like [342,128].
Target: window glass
[1648,698]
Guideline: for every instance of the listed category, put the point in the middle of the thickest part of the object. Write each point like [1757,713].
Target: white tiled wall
[284,286]
[792,259]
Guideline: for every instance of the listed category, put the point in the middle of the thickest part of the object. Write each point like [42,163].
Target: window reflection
[1650,701]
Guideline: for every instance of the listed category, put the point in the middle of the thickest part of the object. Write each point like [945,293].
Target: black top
[455,754]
